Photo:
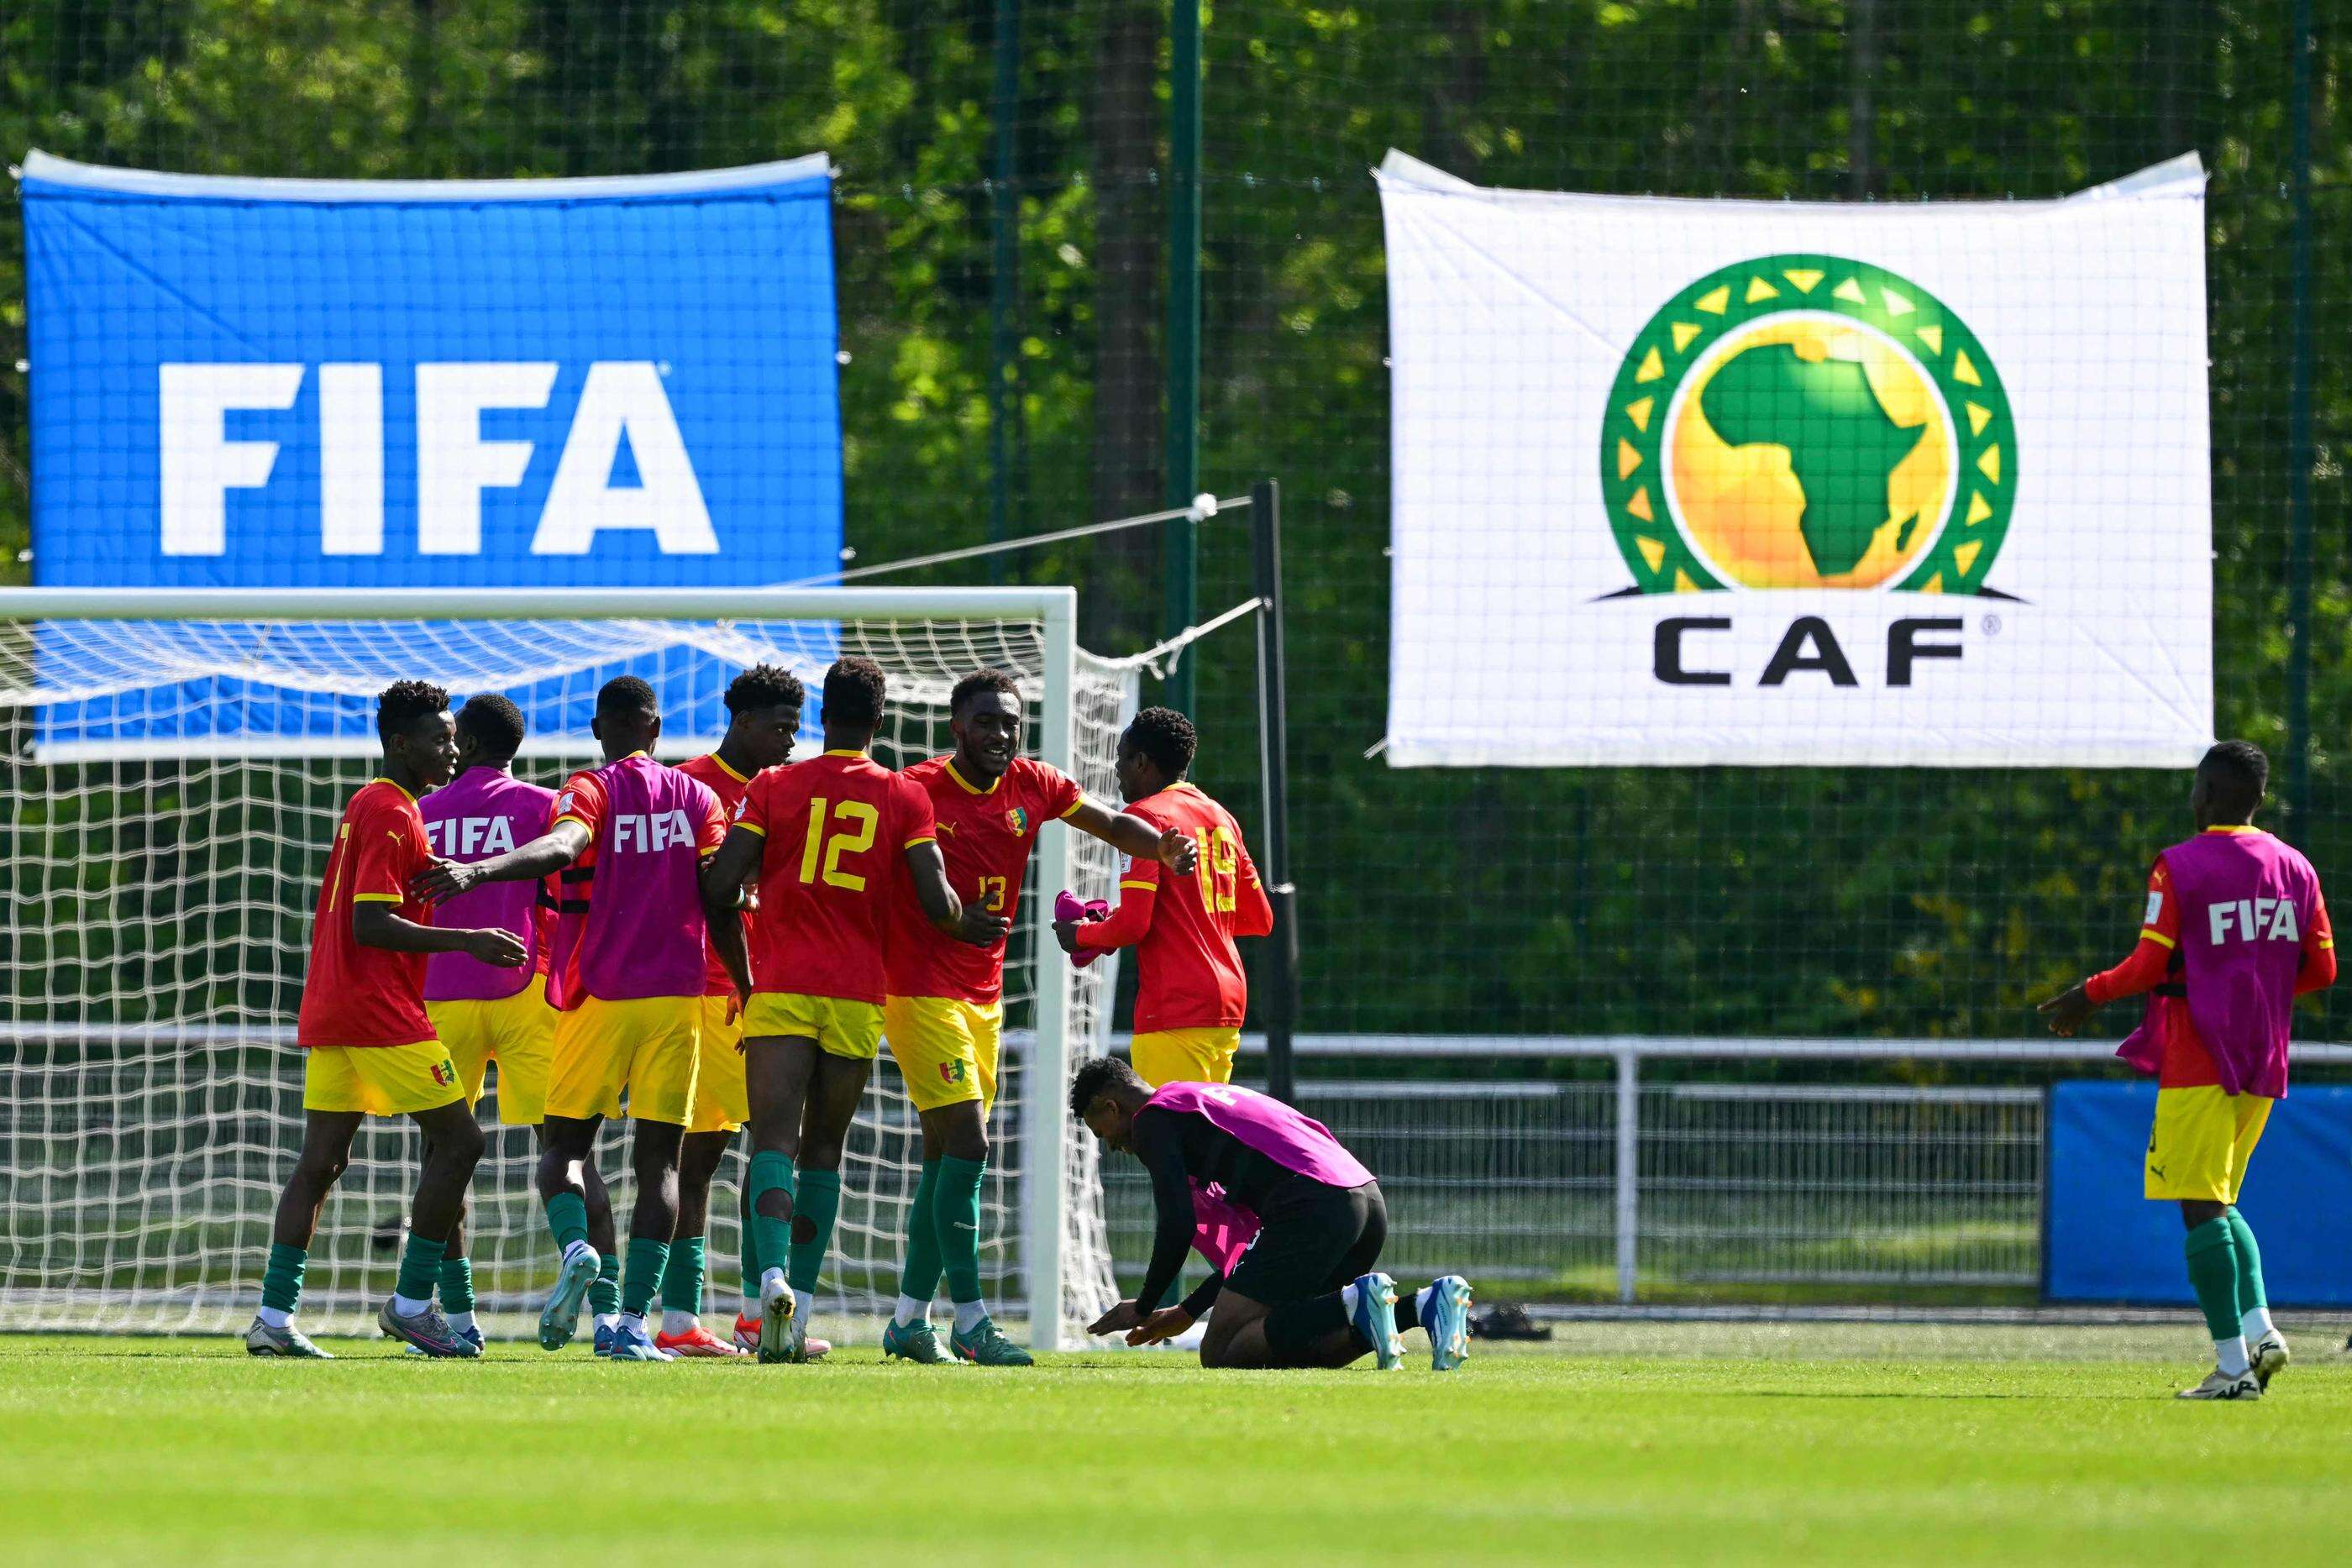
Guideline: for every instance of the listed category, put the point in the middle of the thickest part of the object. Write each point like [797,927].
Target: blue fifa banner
[2105,1242]
[370,385]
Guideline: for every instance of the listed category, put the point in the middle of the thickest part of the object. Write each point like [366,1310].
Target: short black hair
[854,689]
[1096,1074]
[626,693]
[1164,736]
[400,704]
[764,686]
[980,681]
[495,723]
[2239,772]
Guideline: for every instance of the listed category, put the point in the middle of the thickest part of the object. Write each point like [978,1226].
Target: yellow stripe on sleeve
[379,898]
[2328,942]
[926,839]
[1147,886]
[753,828]
[568,817]
[1075,807]
[2146,935]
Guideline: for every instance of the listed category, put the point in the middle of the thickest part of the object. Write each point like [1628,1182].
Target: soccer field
[1638,1443]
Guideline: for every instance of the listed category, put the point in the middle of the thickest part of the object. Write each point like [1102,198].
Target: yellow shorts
[517,1032]
[719,1103]
[379,1080]
[840,1028]
[2201,1142]
[1185,1055]
[646,1049]
[945,1048]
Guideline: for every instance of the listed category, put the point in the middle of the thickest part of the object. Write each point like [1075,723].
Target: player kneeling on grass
[2235,929]
[371,1048]
[1305,1291]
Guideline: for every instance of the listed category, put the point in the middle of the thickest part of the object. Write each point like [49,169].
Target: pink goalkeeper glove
[1067,906]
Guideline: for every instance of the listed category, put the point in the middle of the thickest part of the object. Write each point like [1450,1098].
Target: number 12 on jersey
[853,826]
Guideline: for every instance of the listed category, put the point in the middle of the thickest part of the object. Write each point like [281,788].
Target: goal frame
[1044,1197]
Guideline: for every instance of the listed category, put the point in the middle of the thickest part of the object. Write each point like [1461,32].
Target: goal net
[168,787]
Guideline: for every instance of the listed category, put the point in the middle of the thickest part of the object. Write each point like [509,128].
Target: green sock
[2214,1269]
[819,1203]
[458,1284]
[420,1267]
[281,1281]
[681,1283]
[2250,1265]
[604,1295]
[959,1226]
[647,1258]
[920,1276]
[567,1216]
[772,1238]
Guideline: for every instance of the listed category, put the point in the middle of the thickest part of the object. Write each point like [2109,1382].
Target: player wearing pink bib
[485,1013]
[763,715]
[626,974]
[2235,929]
[1293,1221]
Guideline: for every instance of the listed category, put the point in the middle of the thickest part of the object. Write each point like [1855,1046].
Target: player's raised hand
[1164,1324]
[2068,1011]
[1178,853]
[441,879]
[1119,1320]
[980,927]
[503,948]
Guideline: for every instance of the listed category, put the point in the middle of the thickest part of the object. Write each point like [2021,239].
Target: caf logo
[1807,422]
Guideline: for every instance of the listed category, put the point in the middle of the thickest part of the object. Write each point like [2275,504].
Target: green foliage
[1792,901]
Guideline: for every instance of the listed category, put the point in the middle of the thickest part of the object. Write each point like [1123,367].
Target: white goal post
[171,765]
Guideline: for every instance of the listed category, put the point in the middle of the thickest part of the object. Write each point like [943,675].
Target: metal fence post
[1629,1170]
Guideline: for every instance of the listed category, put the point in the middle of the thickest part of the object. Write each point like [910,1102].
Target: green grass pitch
[1642,1443]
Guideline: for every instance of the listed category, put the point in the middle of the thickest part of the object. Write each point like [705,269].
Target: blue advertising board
[497,384]
[2105,1242]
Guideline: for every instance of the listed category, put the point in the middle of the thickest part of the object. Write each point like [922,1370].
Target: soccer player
[946,1010]
[1305,1291]
[827,837]
[2234,930]
[371,1050]
[626,976]
[1191,994]
[483,1012]
[763,715]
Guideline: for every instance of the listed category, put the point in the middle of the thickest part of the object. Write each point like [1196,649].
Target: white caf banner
[1694,482]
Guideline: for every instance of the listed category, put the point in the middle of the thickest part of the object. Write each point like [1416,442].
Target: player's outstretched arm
[1155,1143]
[544,856]
[1132,836]
[375,923]
[724,872]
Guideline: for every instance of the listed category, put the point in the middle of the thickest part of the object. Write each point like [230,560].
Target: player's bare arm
[1133,836]
[375,923]
[723,903]
[964,922]
[544,856]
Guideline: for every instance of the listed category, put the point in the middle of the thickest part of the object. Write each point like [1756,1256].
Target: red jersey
[985,836]
[729,786]
[836,828]
[1188,971]
[2186,1063]
[354,995]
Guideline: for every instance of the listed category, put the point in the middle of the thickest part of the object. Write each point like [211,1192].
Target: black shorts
[1313,1238]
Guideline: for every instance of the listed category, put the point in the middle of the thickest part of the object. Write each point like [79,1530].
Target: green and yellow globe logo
[1807,422]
